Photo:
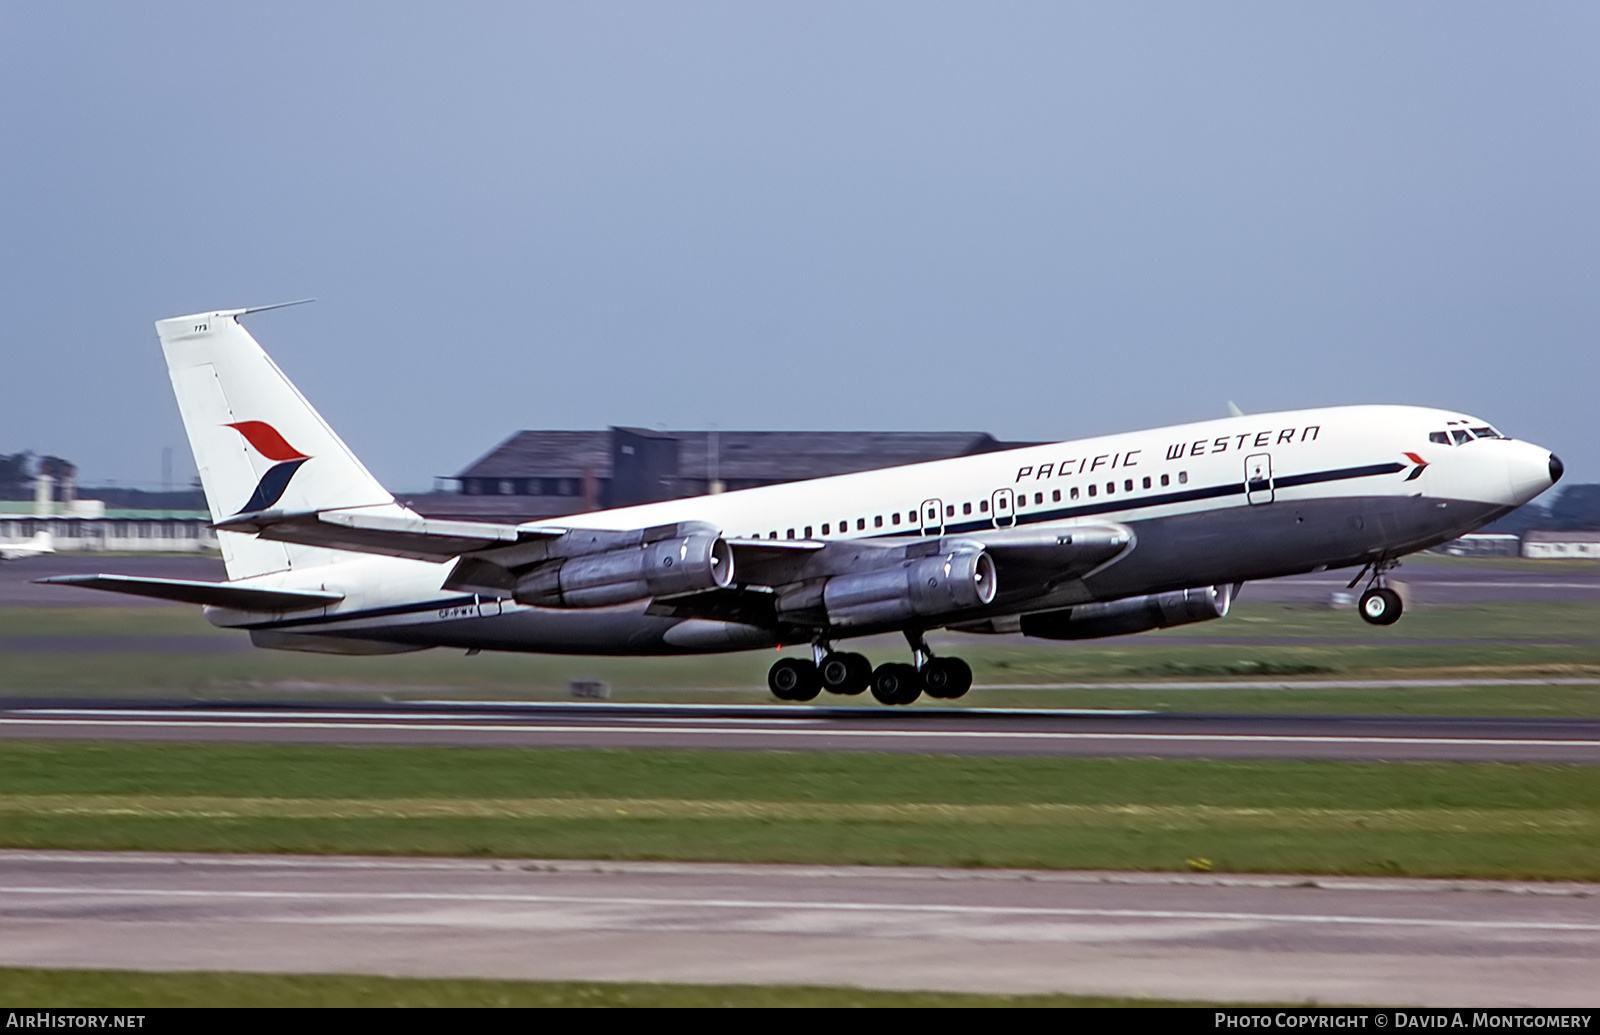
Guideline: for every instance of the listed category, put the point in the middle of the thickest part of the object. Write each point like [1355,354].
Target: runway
[1196,937]
[968,731]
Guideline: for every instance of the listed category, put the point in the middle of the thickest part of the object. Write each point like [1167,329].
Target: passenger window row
[1147,482]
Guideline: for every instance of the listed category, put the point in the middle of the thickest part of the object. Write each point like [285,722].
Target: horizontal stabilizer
[217,594]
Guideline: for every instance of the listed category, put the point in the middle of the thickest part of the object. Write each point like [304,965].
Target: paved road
[1260,939]
[973,731]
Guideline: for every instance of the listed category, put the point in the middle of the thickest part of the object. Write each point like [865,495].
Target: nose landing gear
[1379,605]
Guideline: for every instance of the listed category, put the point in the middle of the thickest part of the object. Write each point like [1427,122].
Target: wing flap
[218,594]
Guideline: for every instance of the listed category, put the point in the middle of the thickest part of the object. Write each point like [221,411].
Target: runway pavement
[972,731]
[1196,937]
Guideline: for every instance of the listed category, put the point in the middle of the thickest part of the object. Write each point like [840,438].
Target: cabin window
[824,528]
[983,506]
[1055,497]
[966,508]
[877,522]
[1074,492]
[1147,481]
[1000,504]
[772,535]
[1022,500]
[1127,486]
[949,510]
[790,534]
[1183,477]
[1038,497]
[1092,490]
[808,531]
[861,524]
[894,519]
[1166,480]
[1111,487]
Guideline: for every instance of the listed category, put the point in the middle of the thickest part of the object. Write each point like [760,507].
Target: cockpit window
[1460,436]
[1440,437]
[1487,433]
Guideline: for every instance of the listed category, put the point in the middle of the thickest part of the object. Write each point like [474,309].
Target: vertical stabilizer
[258,443]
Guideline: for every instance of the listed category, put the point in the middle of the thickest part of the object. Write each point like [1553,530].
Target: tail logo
[269,443]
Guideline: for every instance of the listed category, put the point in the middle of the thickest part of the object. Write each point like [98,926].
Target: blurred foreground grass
[133,990]
[1417,819]
[160,651]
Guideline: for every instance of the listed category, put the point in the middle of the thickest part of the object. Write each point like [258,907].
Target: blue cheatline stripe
[272,485]
[1163,499]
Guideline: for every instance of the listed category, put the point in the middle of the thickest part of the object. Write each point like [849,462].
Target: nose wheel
[1379,605]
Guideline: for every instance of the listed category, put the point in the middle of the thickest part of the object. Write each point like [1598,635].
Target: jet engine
[1131,615]
[684,564]
[937,585]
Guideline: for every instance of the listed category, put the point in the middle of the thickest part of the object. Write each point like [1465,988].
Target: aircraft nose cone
[1557,468]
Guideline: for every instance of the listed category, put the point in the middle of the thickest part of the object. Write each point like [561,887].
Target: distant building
[1555,545]
[1482,544]
[540,474]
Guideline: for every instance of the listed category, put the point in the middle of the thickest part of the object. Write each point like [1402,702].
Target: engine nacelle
[924,586]
[1131,615]
[667,567]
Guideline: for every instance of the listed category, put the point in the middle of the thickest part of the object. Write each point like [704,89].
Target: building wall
[132,535]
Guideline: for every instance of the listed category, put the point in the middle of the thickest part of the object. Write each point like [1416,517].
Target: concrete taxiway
[1195,937]
[972,731]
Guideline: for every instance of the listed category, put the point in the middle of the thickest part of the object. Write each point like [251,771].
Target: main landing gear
[838,672]
[1379,605]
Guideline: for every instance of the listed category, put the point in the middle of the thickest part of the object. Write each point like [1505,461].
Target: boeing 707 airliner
[1074,540]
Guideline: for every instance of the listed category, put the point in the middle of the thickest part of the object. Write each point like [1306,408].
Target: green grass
[1441,820]
[173,651]
[134,990]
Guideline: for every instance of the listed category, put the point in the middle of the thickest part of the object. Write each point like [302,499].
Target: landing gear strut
[840,672]
[1379,605]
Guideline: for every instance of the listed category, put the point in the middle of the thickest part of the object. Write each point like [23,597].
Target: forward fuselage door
[1002,508]
[933,517]
[1258,486]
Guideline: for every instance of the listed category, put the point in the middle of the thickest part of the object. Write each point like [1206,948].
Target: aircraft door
[1258,485]
[933,517]
[1002,508]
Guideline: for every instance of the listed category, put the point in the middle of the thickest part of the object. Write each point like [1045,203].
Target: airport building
[1561,545]
[546,474]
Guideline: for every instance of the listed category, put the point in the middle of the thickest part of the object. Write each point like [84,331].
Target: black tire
[896,684]
[860,673]
[793,679]
[843,673]
[946,678]
[1381,606]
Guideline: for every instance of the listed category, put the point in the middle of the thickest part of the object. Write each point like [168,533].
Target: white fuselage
[1227,500]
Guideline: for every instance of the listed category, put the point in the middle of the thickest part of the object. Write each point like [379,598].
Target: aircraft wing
[217,594]
[391,531]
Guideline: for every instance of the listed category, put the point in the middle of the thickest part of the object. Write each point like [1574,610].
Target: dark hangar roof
[740,455]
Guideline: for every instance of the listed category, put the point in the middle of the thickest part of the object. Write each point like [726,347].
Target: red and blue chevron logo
[266,440]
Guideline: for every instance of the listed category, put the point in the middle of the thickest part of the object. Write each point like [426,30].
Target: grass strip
[613,810]
[120,989]
[108,650]
[1421,819]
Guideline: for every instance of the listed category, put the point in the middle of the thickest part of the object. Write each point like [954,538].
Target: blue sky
[1042,221]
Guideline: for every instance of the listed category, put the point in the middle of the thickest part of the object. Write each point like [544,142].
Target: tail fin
[257,442]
